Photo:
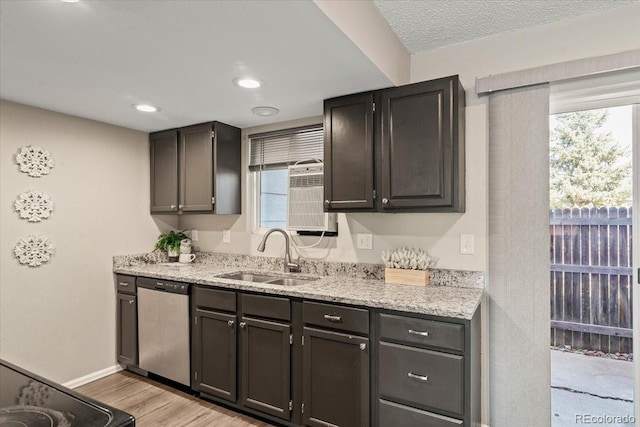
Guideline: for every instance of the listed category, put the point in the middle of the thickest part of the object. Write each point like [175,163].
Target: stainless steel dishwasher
[163,328]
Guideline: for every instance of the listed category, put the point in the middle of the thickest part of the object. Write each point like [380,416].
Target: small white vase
[173,254]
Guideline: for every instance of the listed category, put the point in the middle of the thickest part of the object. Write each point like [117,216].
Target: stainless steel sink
[250,277]
[288,281]
[267,278]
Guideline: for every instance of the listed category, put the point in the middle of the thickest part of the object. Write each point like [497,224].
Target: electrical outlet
[226,236]
[467,244]
[194,235]
[364,241]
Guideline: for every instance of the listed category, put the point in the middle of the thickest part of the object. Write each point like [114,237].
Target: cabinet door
[227,170]
[215,354]
[266,366]
[348,153]
[421,153]
[127,329]
[163,147]
[336,379]
[196,168]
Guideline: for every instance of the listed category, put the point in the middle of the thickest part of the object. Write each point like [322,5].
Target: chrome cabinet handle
[363,346]
[173,207]
[327,202]
[243,325]
[417,377]
[231,323]
[123,283]
[385,201]
[422,334]
[332,318]
[131,301]
[180,206]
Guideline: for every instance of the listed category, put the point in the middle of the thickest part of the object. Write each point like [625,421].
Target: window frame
[255,174]
[256,196]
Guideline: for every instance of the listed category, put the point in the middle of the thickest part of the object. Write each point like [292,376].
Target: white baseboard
[93,376]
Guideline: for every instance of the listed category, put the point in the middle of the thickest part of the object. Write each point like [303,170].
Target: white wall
[438,233]
[58,320]
[363,23]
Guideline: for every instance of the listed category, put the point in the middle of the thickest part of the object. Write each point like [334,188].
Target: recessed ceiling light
[146,108]
[265,111]
[70,1]
[248,82]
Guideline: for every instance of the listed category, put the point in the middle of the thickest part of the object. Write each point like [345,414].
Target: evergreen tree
[588,167]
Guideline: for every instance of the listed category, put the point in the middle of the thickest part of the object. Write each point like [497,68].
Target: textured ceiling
[429,24]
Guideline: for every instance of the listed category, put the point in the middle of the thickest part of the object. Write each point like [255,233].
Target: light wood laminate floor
[154,404]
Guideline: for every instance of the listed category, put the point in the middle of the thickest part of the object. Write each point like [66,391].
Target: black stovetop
[29,400]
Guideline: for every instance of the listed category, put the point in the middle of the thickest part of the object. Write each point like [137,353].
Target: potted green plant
[170,242]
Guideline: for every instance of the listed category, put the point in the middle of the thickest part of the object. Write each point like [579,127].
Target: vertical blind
[272,150]
[519,293]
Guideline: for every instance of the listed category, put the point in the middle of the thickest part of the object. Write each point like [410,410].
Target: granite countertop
[446,301]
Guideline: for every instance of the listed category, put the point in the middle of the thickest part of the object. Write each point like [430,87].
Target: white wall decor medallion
[34,160]
[33,205]
[33,250]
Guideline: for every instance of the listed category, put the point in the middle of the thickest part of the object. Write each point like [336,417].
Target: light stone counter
[447,301]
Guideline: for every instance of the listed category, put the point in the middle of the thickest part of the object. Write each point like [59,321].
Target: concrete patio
[590,390]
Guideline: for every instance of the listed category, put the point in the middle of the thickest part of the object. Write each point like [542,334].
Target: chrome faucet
[289,267]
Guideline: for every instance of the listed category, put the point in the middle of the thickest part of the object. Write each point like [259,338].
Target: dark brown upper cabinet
[196,169]
[164,171]
[348,153]
[416,133]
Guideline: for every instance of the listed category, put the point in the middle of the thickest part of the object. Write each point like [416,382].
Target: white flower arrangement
[408,259]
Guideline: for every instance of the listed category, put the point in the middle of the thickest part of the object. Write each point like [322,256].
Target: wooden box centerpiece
[407,266]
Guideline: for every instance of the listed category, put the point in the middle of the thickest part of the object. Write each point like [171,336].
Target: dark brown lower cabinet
[392,414]
[127,329]
[427,378]
[215,359]
[428,371]
[266,366]
[336,379]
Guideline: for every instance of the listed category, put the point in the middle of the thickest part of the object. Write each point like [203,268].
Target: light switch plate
[364,241]
[194,235]
[467,244]
[226,236]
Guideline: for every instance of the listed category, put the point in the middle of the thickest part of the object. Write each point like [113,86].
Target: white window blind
[279,149]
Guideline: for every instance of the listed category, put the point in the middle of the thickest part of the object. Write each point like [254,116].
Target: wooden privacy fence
[591,278]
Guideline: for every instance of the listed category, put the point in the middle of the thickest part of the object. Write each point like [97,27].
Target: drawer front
[423,377]
[336,317]
[392,414]
[215,299]
[126,284]
[410,330]
[264,306]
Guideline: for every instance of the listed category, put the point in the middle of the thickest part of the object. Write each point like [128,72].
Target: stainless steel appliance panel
[163,334]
